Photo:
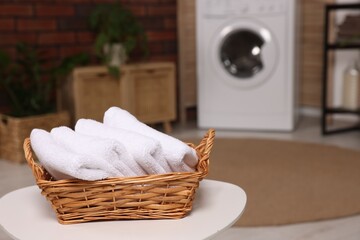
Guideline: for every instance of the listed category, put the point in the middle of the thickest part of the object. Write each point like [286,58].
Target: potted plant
[118,33]
[30,87]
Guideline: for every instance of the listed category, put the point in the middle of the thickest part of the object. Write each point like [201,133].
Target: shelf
[327,130]
[342,130]
[326,110]
[341,110]
[334,46]
[342,6]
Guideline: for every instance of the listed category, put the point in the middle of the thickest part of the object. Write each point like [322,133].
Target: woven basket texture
[14,130]
[165,196]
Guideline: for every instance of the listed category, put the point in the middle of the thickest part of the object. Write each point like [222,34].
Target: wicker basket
[165,196]
[14,130]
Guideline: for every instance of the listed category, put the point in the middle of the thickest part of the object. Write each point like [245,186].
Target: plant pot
[116,54]
[13,132]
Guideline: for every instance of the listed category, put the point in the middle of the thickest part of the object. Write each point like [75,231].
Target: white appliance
[246,64]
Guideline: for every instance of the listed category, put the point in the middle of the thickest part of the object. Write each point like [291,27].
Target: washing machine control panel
[243,7]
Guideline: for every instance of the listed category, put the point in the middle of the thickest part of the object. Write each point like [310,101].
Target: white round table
[25,214]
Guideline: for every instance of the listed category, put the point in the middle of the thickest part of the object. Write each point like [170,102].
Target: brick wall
[59,27]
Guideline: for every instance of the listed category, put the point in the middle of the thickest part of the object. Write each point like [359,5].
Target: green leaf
[4,61]
[100,42]
[114,71]
[30,86]
[112,23]
[69,63]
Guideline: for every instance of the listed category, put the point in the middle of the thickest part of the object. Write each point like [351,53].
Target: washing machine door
[244,53]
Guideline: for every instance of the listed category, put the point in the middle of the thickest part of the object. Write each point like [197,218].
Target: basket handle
[204,148]
[37,170]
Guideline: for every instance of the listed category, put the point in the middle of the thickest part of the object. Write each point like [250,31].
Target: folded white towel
[179,155]
[143,149]
[107,151]
[64,164]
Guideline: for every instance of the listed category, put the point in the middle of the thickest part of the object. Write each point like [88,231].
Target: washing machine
[246,64]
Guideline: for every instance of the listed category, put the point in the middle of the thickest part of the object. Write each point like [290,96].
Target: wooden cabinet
[149,92]
[146,90]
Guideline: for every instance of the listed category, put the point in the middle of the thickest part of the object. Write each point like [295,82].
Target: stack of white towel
[121,146]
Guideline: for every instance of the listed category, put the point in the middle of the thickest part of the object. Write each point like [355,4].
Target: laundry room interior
[276,81]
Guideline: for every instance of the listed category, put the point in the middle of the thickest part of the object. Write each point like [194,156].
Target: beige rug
[289,182]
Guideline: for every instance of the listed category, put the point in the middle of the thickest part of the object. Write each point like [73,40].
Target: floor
[14,176]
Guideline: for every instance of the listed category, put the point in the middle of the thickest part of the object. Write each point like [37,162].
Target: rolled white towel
[179,155]
[143,149]
[107,151]
[64,164]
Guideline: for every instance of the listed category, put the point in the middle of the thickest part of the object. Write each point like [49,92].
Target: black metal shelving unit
[326,110]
